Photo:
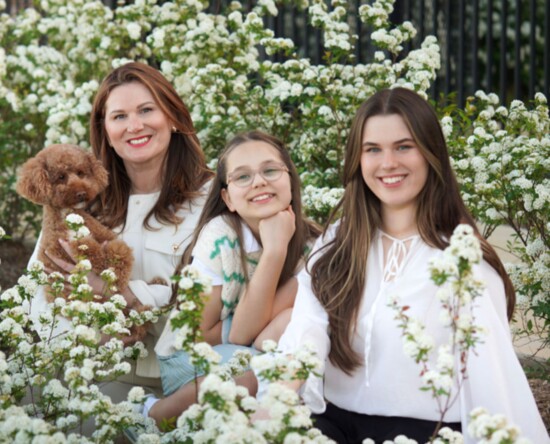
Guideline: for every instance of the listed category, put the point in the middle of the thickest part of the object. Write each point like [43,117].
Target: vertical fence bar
[409,16]
[293,25]
[447,87]
[532,46]
[305,35]
[435,31]
[489,43]
[359,30]
[546,52]
[517,54]
[475,45]
[435,11]
[422,20]
[503,67]
[461,58]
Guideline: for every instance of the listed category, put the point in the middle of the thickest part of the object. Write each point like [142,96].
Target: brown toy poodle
[64,179]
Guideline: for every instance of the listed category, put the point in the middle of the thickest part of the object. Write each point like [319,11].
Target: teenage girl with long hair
[400,206]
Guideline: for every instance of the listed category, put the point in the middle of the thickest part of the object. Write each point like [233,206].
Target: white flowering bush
[50,367]
[502,158]
[187,316]
[2,236]
[53,56]
[49,381]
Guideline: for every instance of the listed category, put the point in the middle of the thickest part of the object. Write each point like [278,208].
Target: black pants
[347,427]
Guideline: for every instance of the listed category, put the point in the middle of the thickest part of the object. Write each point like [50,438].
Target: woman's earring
[174,129]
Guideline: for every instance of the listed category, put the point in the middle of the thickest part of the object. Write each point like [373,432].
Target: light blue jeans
[176,370]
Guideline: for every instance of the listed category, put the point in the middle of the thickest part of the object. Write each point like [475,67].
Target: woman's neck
[144,181]
[399,223]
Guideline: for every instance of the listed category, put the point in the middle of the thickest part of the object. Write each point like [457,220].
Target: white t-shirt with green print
[217,255]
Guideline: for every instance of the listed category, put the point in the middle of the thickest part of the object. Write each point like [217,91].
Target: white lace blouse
[388,382]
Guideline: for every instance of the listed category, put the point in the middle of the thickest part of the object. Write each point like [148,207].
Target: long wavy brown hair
[305,231]
[184,171]
[338,274]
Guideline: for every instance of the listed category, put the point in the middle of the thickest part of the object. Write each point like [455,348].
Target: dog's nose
[81,196]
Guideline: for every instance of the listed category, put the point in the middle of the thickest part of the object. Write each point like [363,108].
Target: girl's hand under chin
[277,230]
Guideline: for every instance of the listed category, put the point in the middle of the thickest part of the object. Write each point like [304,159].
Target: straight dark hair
[338,274]
[185,170]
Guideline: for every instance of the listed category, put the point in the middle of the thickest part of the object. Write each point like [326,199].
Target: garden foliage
[50,390]
[54,54]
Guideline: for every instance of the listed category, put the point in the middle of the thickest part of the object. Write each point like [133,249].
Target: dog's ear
[33,182]
[98,171]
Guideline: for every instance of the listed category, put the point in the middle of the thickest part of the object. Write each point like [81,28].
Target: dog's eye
[61,177]
[80,173]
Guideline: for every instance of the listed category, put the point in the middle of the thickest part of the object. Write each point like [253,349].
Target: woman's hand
[94,281]
[99,286]
[277,230]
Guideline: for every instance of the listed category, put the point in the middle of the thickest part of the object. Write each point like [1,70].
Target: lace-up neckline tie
[397,254]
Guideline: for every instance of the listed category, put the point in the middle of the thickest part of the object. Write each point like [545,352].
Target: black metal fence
[496,45]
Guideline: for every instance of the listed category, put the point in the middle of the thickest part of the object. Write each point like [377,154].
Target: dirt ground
[14,257]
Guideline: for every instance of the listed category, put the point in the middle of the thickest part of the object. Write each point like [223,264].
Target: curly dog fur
[64,179]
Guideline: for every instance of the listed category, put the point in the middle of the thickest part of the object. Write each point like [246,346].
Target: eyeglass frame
[254,172]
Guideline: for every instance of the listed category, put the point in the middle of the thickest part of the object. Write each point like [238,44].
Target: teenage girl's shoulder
[218,225]
[216,235]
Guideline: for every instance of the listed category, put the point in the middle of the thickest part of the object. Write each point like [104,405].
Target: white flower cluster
[75,224]
[17,426]
[203,350]
[337,31]
[464,245]
[321,200]
[190,276]
[286,412]
[222,415]
[493,429]
[274,366]
[224,409]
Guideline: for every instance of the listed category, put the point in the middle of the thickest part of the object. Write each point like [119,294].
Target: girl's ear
[227,200]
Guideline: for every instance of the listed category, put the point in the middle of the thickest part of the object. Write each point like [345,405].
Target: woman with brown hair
[400,206]
[142,132]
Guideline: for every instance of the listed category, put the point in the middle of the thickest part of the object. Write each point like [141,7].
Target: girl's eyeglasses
[243,177]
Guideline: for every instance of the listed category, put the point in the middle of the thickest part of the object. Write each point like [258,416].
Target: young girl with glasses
[251,240]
